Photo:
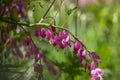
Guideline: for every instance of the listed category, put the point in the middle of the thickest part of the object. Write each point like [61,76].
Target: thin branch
[3,19]
[47,11]
[76,19]
[57,11]
[24,30]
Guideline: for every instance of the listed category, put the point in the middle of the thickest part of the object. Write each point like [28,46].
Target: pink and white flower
[97,74]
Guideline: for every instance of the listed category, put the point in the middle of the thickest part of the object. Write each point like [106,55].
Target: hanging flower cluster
[63,41]
[38,56]
[18,7]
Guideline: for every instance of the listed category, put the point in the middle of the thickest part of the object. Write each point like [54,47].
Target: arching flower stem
[45,25]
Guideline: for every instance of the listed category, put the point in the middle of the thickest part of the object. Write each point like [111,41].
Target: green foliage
[97,26]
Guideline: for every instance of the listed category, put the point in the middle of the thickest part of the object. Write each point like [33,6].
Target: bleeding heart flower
[97,74]
[77,46]
[40,32]
[50,35]
[95,58]
[82,56]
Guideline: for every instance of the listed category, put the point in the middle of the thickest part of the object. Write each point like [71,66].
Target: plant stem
[47,11]
[4,19]
[76,20]
[57,11]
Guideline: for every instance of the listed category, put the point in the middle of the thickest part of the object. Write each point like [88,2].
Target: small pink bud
[53,29]
[37,57]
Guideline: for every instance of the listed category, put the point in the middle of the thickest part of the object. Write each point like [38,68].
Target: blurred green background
[96,23]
